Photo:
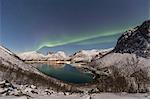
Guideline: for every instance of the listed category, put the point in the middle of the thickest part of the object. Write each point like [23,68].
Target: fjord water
[67,73]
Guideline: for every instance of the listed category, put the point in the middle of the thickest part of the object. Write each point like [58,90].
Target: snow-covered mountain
[33,55]
[88,55]
[83,55]
[136,41]
[60,55]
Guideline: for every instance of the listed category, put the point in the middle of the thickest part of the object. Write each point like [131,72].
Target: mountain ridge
[136,41]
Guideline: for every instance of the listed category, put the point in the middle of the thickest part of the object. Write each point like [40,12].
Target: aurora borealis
[68,25]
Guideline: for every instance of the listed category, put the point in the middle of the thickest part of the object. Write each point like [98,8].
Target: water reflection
[66,72]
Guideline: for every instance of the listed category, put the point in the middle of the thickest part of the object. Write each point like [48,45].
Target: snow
[83,55]
[10,59]
[79,96]
[60,55]
[88,55]
[96,96]
[89,52]
[33,55]
[6,50]
[114,58]
[105,50]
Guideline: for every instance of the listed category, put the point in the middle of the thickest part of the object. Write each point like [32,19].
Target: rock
[2,84]
[16,93]
[60,93]
[135,41]
[8,89]
[48,92]
[2,91]
[33,87]
[66,93]
[94,90]
[28,90]
[21,87]
[9,85]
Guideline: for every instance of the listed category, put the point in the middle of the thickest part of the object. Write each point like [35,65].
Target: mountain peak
[146,24]
[136,41]
[145,28]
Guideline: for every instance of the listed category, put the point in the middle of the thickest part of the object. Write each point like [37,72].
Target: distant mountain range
[35,56]
[79,56]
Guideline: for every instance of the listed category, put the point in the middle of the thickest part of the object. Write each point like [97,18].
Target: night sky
[67,25]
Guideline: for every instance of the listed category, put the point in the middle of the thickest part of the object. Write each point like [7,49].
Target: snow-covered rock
[33,55]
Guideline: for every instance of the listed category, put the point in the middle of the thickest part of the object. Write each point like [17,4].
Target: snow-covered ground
[79,96]
[97,96]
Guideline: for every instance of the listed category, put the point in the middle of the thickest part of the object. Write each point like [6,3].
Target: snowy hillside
[11,60]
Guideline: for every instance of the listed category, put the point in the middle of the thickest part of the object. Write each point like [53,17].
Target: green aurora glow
[80,39]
